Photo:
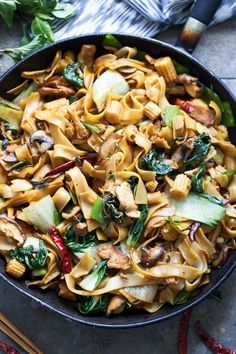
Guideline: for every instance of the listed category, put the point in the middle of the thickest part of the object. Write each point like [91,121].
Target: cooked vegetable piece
[58,240]
[200,150]
[93,304]
[111,209]
[33,258]
[228,116]
[153,161]
[92,127]
[197,180]
[180,69]
[207,210]
[111,41]
[57,217]
[41,213]
[137,227]
[97,210]
[184,296]
[11,116]
[133,181]
[169,113]
[71,75]
[79,243]
[15,268]
[91,281]
[208,94]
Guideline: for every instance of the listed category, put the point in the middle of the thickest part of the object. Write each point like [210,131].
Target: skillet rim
[230,264]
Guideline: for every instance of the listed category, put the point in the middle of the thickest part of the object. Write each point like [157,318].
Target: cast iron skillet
[49,299]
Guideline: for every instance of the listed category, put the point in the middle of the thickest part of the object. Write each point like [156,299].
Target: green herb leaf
[137,227]
[173,222]
[197,180]
[28,255]
[230,174]
[180,69]
[200,150]
[18,165]
[140,55]
[111,41]
[97,210]
[7,9]
[21,52]
[93,304]
[79,243]
[153,161]
[63,11]
[111,210]
[32,7]
[57,217]
[73,98]
[184,296]
[169,113]
[228,116]
[70,74]
[93,128]
[133,182]
[42,27]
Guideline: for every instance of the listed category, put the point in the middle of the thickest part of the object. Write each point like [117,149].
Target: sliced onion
[109,81]
[144,293]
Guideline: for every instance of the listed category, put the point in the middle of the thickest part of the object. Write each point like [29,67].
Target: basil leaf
[111,210]
[111,41]
[63,11]
[42,27]
[79,243]
[200,150]
[137,227]
[197,180]
[133,181]
[153,161]
[184,295]
[70,74]
[7,9]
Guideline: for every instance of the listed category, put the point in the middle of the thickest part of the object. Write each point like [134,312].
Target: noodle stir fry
[117,180]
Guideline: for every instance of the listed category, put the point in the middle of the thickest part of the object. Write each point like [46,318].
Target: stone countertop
[57,336]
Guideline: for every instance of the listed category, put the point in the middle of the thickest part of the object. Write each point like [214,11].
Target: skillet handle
[200,17]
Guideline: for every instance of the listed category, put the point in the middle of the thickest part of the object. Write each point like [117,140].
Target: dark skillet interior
[40,60]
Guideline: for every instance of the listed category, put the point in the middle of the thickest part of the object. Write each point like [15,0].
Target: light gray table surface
[54,335]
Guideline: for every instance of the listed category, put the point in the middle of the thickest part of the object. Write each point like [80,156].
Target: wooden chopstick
[15,334]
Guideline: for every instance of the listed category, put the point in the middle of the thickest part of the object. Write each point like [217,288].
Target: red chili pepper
[183,332]
[62,168]
[185,105]
[211,342]
[58,240]
[7,349]
[70,164]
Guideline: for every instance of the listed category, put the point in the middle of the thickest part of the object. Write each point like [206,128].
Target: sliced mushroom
[190,85]
[65,292]
[117,259]
[116,305]
[150,255]
[57,86]
[86,55]
[201,112]
[220,258]
[109,146]
[183,151]
[126,199]
[173,89]
[11,230]
[11,157]
[44,140]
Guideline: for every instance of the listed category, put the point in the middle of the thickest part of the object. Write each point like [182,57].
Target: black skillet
[40,60]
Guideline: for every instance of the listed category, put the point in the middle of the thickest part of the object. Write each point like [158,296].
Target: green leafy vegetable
[153,161]
[207,210]
[111,210]
[140,55]
[133,182]
[229,174]
[197,179]
[79,243]
[137,227]
[71,74]
[42,27]
[173,222]
[18,165]
[93,128]
[7,9]
[180,69]
[97,210]
[93,304]
[39,272]
[39,18]
[57,218]
[30,256]
[200,150]
[169,113]
[91,281]
[73,98]
[228,116]
[111,41]
[184,295]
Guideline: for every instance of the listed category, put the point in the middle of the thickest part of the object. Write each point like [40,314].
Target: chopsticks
[17,336]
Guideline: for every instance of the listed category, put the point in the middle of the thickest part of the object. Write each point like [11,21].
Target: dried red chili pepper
[184,105]
[70,164]
[58,240]
[183,332]
[211,342]
[7,349]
